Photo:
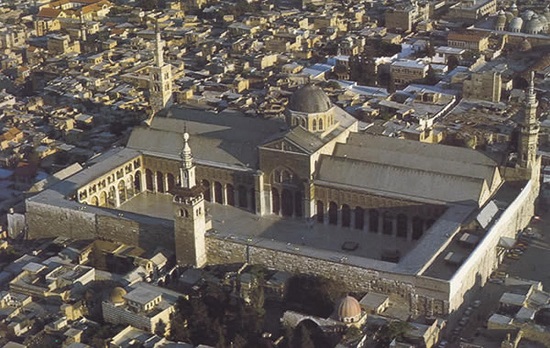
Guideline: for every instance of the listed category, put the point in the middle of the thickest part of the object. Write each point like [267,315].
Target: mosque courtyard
[238,224]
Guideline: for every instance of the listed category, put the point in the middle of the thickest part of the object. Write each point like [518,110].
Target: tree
[431,77]
[452,63]
[313,295]
[430,50]
[302,338]
[160,328]
[391,331]
[391,85]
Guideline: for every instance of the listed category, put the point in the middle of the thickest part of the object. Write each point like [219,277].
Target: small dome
[516,24]
[349,309]
[544,21]
[117,295]
[534,26]
[309,99]
[501,20]
[527,15]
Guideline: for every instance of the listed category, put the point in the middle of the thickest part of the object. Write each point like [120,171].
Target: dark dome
[309,99]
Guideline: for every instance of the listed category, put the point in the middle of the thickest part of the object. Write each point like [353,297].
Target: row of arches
[159,181]
[242,196]
[287,202]
[373,220]
[117,194]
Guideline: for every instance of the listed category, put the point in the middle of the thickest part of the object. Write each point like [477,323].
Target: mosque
[309,193]
[528,22]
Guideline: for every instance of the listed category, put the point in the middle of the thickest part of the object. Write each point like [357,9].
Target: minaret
[160,75]
[189,213]
[529,131]
[83,34]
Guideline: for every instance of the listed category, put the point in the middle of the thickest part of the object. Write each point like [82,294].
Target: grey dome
[309,99]
[527,15]
[516,24]
[501,20]
[534,26]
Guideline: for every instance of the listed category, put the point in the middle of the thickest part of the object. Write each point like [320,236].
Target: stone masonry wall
[484,259]
[222,250]
[46,221]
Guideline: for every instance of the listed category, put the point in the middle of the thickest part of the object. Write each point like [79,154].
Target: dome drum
[310,108]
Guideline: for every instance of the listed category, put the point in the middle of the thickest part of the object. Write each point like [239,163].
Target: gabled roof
[228,138]
[402,181]
[411,169]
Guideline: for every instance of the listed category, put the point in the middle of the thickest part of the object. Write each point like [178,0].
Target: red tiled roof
[48,12]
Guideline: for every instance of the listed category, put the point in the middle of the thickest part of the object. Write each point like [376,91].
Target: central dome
[309,99]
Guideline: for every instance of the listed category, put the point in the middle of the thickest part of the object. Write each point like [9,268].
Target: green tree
[452,63]
[431,77]
[391,331]
[430,50]
[302,338]
[160,328]
[313,295]
[391,85]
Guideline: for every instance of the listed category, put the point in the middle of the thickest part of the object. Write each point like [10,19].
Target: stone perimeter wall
[486,257]
[221,250]
[49,221]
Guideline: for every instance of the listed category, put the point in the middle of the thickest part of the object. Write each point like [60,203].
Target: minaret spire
[531,97]
[187,168]
[159,54]
[186,156]
[528,140]
[82,28]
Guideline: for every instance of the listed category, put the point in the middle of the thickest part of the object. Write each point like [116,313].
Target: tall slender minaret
[160,75]
[529,129]
[83,33]
[189,213]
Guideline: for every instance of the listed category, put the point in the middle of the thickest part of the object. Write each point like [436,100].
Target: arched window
[387,223]
[346,216]
[218,192]
[303,122]
[402,225]
[320,212]
[373,220]
[276,176]
[332,213]
[359,218]
[320,124]
[314,125]
[418,227]
[287,177]
[206,189]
